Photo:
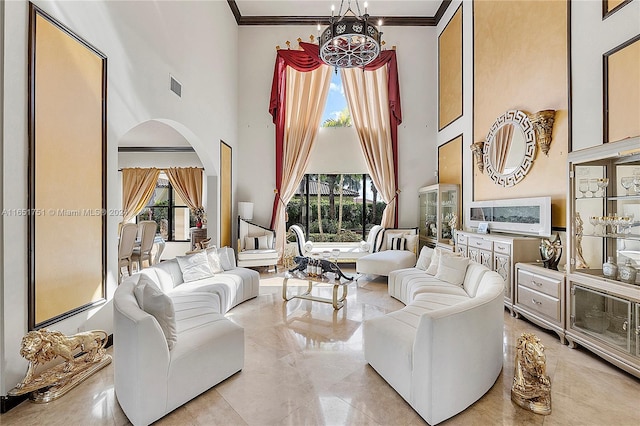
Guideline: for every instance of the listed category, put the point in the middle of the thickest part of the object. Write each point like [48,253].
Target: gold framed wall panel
[510,40]
[450,162]
[226,158]
[622,91]
[450,86]
[450,167]
[611,6]
[67,164]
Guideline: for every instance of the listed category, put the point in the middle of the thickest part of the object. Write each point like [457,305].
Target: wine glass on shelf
[636,181]
[602,184]
[594,221]
[593,186]
[583,187]
[626,182]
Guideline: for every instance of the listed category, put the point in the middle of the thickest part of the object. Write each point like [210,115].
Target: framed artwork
[66,172]
[611,6]
[225,194]
[622,91]
[450,92]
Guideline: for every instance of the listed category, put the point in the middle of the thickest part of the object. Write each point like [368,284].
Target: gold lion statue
[531,386]
[41,346]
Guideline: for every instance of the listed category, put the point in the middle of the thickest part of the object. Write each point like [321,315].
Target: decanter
[610,269]
[627,272]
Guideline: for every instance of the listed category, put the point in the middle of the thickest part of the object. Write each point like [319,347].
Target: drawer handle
[478,243]
[537,283]
[536,302]
[501,247]
[624,325]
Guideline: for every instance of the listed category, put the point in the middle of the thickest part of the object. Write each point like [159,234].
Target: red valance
[308,59]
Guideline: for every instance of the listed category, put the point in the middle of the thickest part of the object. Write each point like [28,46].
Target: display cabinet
[603,287]
[438,205]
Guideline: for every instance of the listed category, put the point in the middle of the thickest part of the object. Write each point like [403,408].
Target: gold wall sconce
[477,149]
[543,124]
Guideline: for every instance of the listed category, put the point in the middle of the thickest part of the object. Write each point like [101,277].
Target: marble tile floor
[304,365]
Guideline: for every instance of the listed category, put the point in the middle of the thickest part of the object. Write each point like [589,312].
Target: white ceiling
[152,133]
[420,8]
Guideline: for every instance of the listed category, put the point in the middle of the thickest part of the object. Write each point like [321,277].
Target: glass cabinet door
[603,316]
[636,330]
[449,205]
[607,217]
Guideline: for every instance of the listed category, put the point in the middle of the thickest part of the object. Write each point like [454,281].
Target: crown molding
[395,21]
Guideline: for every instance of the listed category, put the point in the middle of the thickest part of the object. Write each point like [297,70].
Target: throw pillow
[225,262]
[195,266]
[412,242]
[424,260]
[398,243]
[214,260]
[256,243]
[435,259]
[452,269]
[156,303]
[390,236]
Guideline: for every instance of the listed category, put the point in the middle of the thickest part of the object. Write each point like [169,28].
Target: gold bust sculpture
[531,387]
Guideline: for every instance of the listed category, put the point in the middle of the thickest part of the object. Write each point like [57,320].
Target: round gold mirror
[510,148]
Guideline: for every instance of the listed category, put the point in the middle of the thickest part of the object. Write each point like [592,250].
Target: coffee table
[332,275]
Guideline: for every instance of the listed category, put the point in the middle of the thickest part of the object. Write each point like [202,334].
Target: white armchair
[385,257]
[256,245]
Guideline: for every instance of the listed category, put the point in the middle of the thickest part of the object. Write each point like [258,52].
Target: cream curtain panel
[187,182]
[137,187]
[368,100]
[306,98]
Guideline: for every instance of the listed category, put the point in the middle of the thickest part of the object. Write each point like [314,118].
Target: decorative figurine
[551,252]
[580,262]
[42,346]
[531,387]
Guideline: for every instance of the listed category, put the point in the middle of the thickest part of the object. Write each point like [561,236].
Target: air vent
[176,86]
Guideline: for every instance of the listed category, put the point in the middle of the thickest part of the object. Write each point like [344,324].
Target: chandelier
[350,40]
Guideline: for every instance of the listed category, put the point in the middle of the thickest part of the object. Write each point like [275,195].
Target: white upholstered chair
[384,258]
[128,232]
[147,235]
[256,245]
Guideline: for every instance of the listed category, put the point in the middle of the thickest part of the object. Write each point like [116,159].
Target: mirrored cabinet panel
[603,283]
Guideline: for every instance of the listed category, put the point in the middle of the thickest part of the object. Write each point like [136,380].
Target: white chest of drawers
[540,297]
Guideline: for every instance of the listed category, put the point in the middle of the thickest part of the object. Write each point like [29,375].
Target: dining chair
[128,232]
[147,235]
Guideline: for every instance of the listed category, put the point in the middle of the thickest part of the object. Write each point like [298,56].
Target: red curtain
[308,59]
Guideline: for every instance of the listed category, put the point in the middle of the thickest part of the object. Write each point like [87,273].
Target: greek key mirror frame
[520,120]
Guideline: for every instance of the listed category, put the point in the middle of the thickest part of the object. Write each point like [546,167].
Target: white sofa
[383,258]
[156,373]
[443,350]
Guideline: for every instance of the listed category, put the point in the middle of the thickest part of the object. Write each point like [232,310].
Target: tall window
[169,211]
[336,112]
[349,219]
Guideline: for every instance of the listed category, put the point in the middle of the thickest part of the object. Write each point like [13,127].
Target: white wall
[144,42]
[464,124]
[591,37]
[417,67]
